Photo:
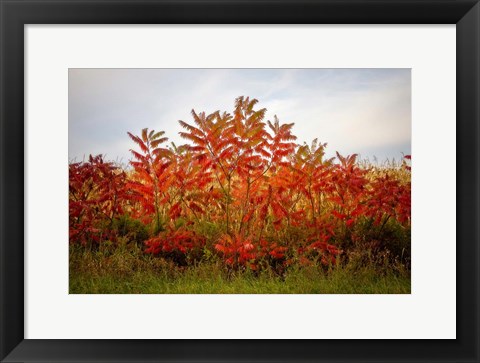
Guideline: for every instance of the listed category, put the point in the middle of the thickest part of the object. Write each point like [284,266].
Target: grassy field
[131,272]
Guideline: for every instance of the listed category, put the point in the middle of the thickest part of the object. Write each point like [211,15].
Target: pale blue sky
[365,111]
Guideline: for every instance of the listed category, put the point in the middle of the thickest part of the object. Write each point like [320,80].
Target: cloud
[353,110]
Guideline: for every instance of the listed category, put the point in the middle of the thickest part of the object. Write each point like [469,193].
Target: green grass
[128,271]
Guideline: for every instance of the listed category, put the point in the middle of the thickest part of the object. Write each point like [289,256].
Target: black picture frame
[16,13]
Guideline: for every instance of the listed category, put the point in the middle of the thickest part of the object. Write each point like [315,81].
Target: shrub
[134,230]
[182,246]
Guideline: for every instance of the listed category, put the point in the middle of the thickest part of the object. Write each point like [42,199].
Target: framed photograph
[239,181]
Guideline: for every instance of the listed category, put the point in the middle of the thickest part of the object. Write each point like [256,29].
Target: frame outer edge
[468,181]
[3,328]
[11,108]
[11,179]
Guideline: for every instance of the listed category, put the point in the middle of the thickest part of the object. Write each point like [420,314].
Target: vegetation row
[242,192]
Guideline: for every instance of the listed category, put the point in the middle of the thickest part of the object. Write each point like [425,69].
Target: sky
[363,111]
